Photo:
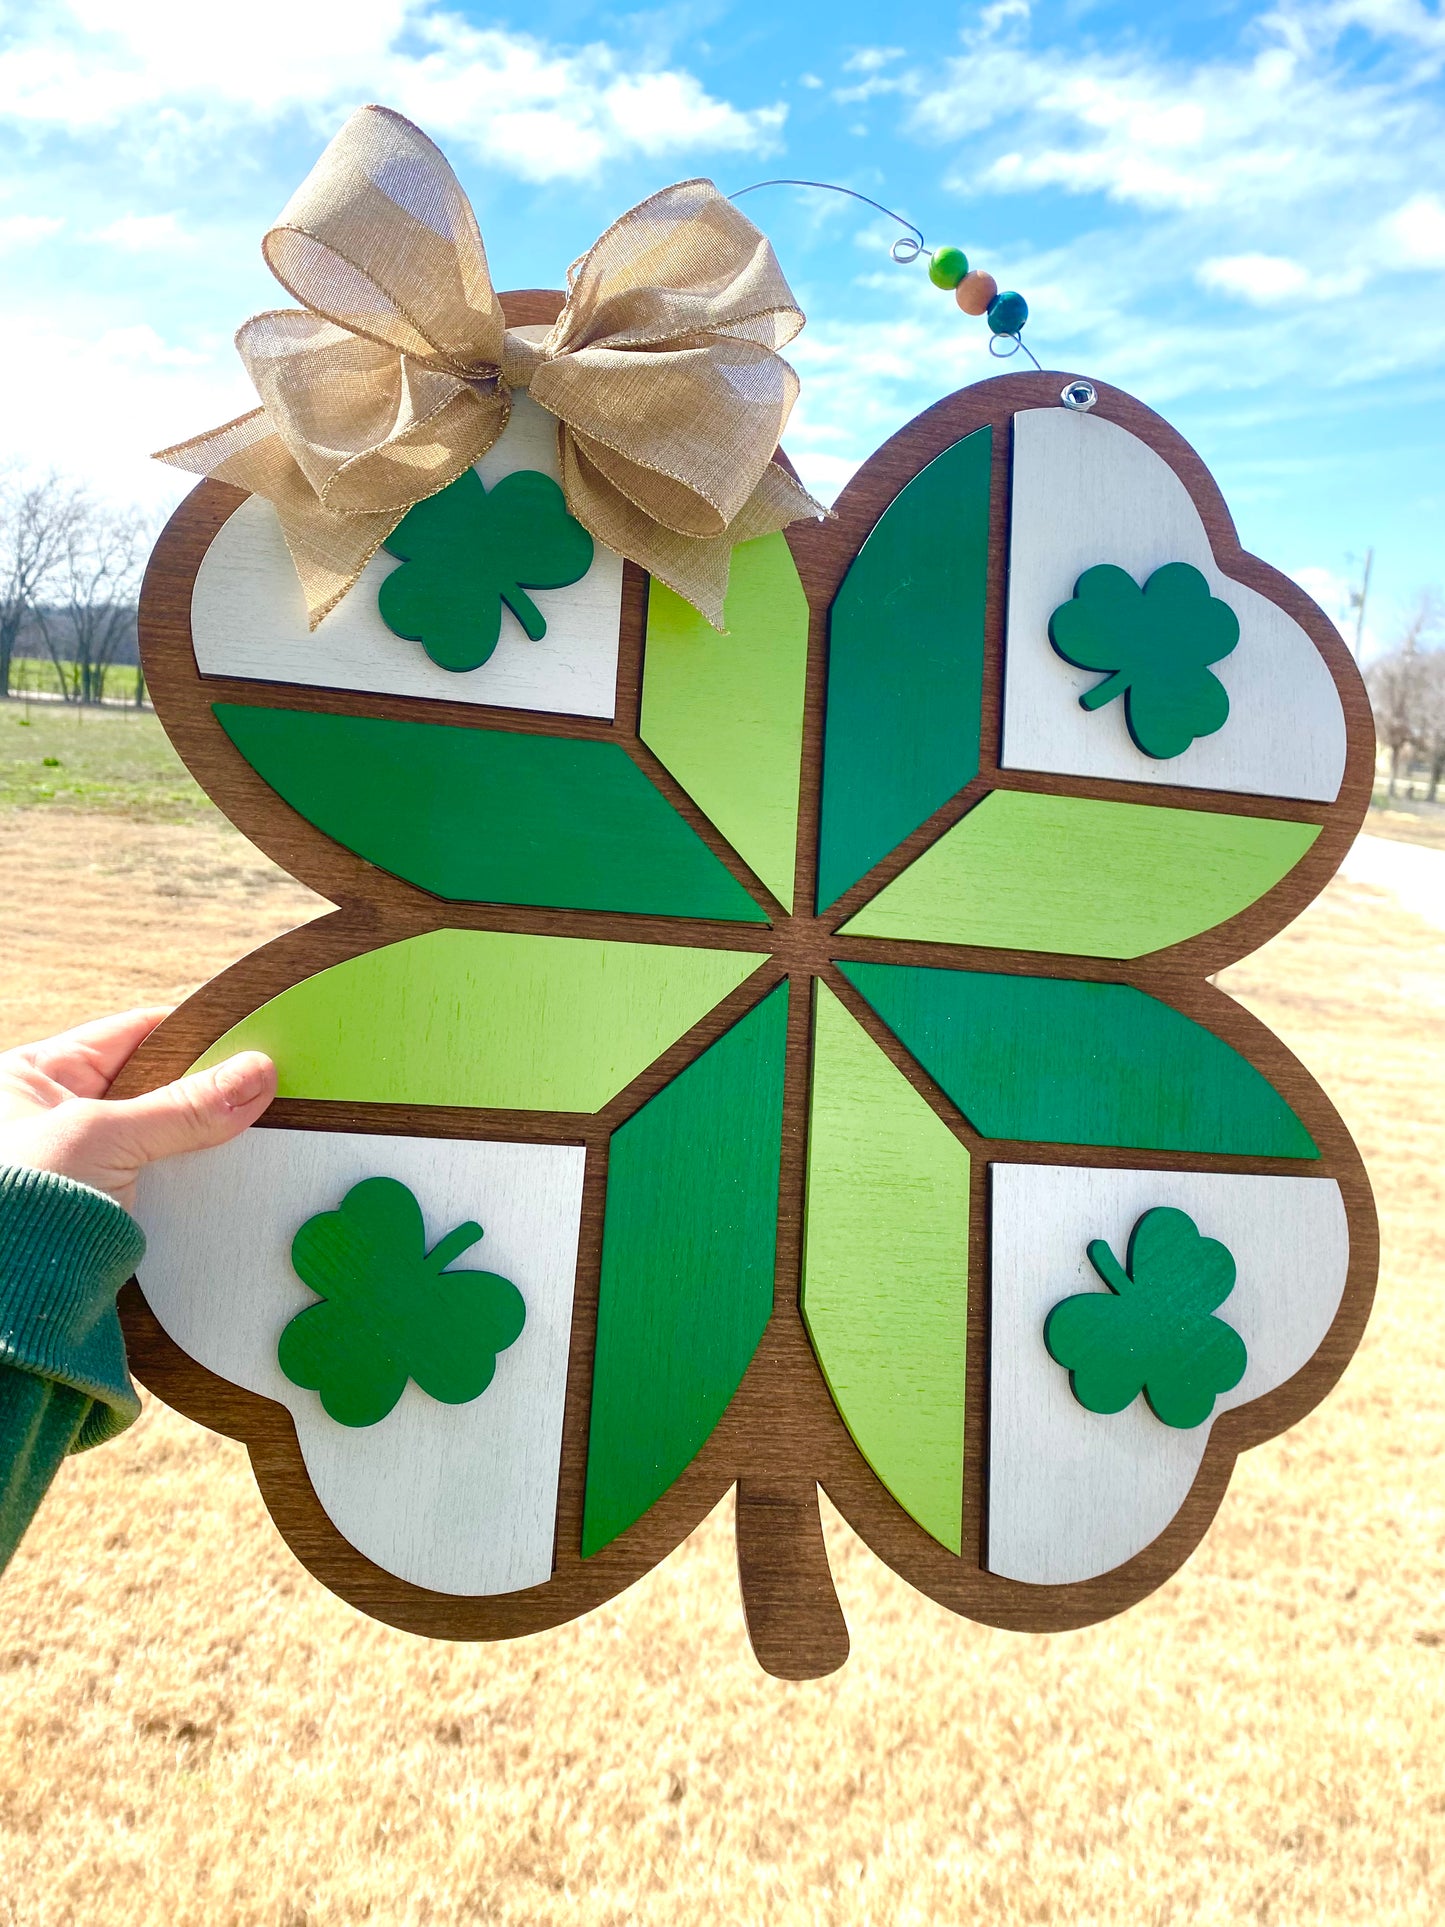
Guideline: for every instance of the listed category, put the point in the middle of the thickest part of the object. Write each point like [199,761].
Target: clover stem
[1105,691]
[1109,1268]
[526,612]
[459,1239]
[794,1621]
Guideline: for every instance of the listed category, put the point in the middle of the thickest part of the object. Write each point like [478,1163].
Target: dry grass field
[1409,819]
[194,1734]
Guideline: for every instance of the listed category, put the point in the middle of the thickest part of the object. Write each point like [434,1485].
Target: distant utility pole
[1357,601]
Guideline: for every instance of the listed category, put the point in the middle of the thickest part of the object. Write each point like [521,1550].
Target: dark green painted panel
[490,815]
[1049,1060]
[688,1253]
[905,666]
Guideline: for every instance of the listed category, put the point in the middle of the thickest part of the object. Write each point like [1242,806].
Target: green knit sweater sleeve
[65,1251]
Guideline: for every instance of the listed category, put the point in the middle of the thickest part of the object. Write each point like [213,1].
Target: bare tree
[37,520]
[1399,683]
[1430,732]
[1394,683]
[90,608]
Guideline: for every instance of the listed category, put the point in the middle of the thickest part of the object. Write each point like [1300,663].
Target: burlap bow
[397,373]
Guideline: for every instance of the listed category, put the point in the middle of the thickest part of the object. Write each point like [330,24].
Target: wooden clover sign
[774,1058]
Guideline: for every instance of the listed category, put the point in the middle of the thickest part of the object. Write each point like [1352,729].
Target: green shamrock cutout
[467,550]
[1155,1333]
[1156,643]
[391,1310]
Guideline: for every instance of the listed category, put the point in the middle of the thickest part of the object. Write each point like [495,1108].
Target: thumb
[196,1112]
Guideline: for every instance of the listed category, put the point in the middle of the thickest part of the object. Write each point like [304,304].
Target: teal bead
[948,267]
[1007,313]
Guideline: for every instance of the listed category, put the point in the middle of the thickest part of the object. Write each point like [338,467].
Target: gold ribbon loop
[397,372]
[380,239]
[683,264]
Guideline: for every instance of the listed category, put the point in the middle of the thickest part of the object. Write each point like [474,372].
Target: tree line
[70,570]
[1407,694]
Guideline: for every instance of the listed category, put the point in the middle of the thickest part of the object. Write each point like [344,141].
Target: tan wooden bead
[975,291]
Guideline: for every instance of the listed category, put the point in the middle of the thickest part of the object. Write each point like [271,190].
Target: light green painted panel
[484,1018]
[1089,879]
[885,1269]
[724,713]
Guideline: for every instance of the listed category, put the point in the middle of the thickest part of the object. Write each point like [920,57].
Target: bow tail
[329,550]
[695,566]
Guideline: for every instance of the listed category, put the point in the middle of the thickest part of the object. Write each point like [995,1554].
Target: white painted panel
[458,1498]
[1074,1493]
[1086,491]
[248,617]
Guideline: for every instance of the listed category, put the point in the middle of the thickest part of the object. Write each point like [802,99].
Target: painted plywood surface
[689,1248]
[885,1268]
[1089,878]
[490,815]
[248,618]
[1074,1493]
[458,1498]
[724,712]
[485,1018]
[1048,1060]
[905,665]
[1086,492]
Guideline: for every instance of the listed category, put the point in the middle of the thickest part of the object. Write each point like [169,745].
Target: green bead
[1007,313]
[948,267]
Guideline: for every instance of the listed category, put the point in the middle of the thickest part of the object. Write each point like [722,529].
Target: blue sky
[1235,211]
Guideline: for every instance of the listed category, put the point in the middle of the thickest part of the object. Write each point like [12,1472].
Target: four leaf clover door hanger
[777,1059]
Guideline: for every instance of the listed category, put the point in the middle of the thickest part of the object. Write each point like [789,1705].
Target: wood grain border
[781,1437]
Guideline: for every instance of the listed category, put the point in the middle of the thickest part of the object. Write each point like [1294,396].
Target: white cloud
[141,391]
[1331,590]
[662,112]
[1262,279]
[85,67]
[1119,301]
[1002,13]
[809,80]
[1283,177]
[1405,20]
[1338,596]
[823,475]
[868,60]
[127,110]
[1243,136]
[82,64]
[565,114]
[16,230]
[143,233]
[143,347]
[1415,233]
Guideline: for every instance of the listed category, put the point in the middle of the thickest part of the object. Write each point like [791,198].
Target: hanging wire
[904,251]
[1002,346]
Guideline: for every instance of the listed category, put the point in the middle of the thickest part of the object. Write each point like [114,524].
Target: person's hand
[54,1114]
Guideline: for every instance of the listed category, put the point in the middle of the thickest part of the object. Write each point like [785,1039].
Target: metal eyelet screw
[1079,396]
